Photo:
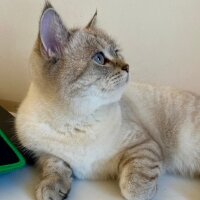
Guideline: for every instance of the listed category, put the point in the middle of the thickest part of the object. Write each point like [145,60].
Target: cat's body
[75,128]
[94,144]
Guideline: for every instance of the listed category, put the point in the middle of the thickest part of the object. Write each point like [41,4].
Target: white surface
[159,38]
[20,186]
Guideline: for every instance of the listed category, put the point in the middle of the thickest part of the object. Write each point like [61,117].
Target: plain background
[159,38]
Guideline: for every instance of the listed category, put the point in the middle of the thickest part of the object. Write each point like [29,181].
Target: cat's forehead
[92,39]
[100,35]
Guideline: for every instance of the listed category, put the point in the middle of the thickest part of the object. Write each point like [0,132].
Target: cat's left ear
[92,22]
[53,34]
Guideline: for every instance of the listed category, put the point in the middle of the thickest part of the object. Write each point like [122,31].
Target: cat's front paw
[132,191]
[53,188]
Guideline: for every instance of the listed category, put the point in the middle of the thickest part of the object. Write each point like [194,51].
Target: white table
[19,185]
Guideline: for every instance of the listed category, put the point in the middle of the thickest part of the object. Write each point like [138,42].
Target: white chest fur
[93,146]
[90,147]
[92,158]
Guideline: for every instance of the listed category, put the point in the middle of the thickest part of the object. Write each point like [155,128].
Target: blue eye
[116,51]
[99,58]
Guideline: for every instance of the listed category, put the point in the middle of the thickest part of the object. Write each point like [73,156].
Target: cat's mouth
[121,78]
[117,81]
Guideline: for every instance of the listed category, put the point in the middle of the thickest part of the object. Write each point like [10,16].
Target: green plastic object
[10,158]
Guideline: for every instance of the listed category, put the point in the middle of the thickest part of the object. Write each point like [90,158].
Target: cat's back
[159,107]
[145,97]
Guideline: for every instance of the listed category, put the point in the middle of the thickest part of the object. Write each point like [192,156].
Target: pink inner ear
[50,29]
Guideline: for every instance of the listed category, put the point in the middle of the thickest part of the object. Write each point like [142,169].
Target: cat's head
[79,64]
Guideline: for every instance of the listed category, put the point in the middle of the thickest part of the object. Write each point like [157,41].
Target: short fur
[75,119]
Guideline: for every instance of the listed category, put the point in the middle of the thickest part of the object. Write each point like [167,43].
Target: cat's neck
[74,111]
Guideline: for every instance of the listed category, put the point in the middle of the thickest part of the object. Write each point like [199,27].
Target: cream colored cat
[76,120]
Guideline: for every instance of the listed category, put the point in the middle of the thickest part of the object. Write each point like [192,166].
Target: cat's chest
[89,149]
[89,157]
[92,160]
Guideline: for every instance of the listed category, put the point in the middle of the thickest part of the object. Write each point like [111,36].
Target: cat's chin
[117,93]
[122,84]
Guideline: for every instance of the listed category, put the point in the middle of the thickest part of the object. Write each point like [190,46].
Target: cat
[82,118]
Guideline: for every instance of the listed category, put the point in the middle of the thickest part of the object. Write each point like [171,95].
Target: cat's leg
[56,178]
[139,169]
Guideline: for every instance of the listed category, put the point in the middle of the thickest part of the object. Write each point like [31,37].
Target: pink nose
[125,68]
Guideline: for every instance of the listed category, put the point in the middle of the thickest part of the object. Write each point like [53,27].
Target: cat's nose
[125,67]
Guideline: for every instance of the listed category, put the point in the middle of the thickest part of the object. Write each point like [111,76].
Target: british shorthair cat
[81,116]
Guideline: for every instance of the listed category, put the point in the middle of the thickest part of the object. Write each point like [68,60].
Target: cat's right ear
[52,32]
[92,22]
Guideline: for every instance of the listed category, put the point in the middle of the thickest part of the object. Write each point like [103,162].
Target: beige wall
[160,38]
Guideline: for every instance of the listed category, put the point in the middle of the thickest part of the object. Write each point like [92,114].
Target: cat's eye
[116,52]
[99,58]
